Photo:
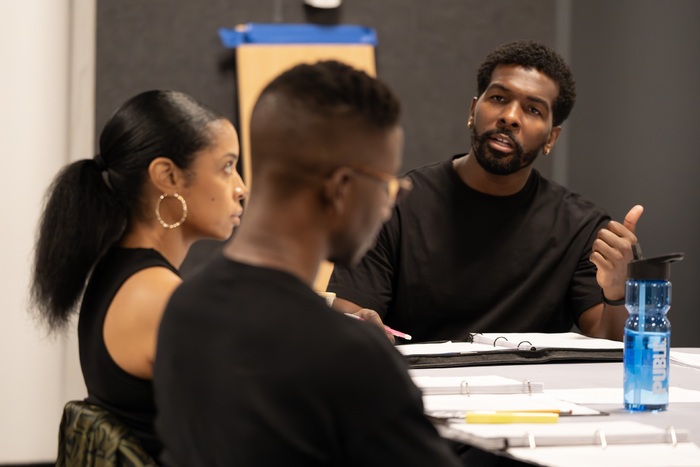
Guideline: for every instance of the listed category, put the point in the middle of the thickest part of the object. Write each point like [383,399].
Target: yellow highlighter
[511,417]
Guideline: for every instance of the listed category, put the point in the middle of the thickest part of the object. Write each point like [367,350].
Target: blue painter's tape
[259,33]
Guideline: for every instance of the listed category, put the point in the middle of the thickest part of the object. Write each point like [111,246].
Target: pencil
[391,331]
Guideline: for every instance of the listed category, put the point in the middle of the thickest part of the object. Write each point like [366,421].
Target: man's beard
[497,162]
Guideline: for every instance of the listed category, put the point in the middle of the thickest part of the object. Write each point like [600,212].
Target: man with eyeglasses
[397,187]
[253,368]
[485,243]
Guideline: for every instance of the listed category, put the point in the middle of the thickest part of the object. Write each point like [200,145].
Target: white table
[597,375]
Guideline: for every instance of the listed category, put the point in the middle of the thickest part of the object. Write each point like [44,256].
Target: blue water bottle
[648,333]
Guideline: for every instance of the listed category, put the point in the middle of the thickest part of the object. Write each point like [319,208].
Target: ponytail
[90,202]
[82,218]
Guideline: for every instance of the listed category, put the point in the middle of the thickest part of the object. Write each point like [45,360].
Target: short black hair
[533,55]
[330,88]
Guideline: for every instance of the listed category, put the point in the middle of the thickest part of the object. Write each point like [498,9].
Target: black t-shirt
[452,260]
[253,368]
[128,397]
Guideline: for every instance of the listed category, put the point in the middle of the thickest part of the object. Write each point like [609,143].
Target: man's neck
[478,179]
[273,243]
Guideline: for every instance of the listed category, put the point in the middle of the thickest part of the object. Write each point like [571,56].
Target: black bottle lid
[656,268]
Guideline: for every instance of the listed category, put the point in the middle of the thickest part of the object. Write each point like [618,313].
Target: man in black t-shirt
[485,243]
[253,368]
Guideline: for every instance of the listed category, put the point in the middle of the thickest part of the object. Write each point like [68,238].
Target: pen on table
[391,331]
[556,411]
[511,417]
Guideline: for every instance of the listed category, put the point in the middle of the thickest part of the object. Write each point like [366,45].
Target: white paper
[691,360]
[501,341]
[615,395]
[568,340]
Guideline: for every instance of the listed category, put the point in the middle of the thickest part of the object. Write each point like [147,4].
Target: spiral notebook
[512,348]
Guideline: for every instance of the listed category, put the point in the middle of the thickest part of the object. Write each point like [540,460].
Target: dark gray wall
[428,53]
[629,137]
[632,134]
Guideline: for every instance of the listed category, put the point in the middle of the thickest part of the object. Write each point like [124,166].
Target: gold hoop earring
[470,123]
[184,210]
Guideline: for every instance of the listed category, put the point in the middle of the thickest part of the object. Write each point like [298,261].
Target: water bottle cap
[656,268]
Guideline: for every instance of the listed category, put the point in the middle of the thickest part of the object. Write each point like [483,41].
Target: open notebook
[512,348]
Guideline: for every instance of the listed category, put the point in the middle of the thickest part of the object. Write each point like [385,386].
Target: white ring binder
[602,439]
[672,432]
[499,337]
[531,440]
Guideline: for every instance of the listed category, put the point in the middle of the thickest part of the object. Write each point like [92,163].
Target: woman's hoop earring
[184,210]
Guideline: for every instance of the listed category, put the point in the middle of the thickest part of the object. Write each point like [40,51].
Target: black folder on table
[511,349]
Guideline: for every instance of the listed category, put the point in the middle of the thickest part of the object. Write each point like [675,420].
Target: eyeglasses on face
[397,187]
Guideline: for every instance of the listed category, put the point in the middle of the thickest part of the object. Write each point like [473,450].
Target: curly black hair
[534,55]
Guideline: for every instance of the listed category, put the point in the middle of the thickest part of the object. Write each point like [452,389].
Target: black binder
[504,350]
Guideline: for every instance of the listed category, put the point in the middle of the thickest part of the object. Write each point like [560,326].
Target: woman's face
[215,191]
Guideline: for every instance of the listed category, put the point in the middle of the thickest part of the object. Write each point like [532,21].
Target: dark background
[630,139]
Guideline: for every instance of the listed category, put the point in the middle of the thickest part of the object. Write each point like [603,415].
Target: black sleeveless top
[128,397]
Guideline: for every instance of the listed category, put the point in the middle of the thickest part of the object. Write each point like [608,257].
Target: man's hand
[612,250]
[366,314]
[373,317]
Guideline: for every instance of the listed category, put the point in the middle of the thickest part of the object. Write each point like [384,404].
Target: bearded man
[485,243]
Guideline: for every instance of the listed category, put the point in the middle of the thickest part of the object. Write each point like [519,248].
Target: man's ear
[553,135]
[165,175]
[472,108]
[335,191]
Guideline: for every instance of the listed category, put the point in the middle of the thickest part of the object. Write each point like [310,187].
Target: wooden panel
[258,64]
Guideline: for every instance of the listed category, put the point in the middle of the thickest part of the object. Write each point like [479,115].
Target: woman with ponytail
[116,228]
